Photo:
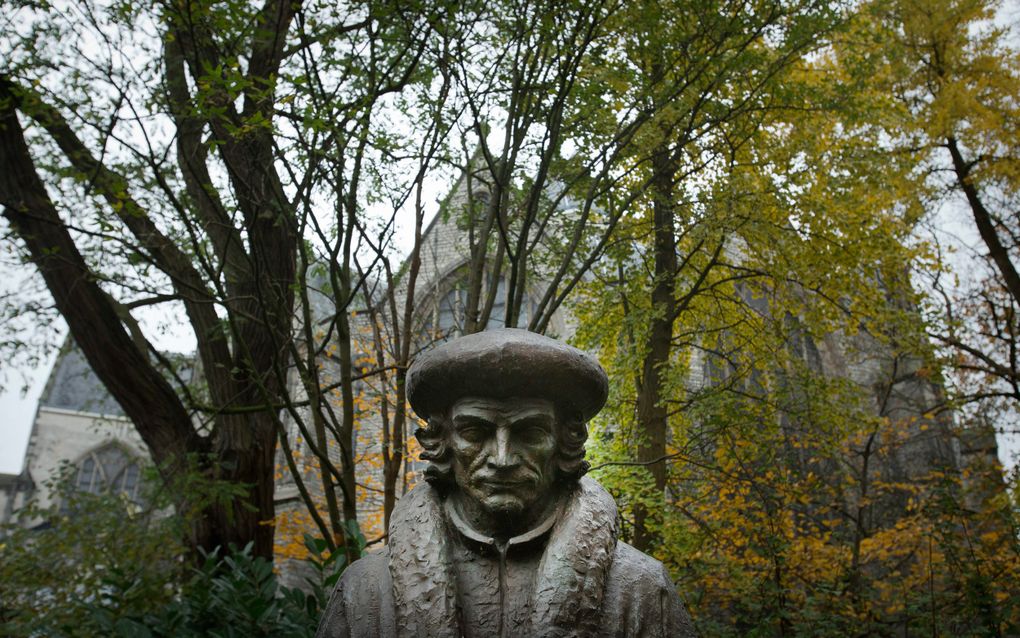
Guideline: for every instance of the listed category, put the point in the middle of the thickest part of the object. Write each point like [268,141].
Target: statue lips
[505,483]
[505,486]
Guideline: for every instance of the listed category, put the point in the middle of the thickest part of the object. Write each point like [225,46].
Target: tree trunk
[652,416]
[249,519]
[128,373]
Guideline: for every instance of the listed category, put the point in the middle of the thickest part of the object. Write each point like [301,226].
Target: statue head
[507,414]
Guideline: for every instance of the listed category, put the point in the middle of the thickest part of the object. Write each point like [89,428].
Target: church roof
[74,386]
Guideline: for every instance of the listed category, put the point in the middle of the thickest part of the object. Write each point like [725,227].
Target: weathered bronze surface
[506,538]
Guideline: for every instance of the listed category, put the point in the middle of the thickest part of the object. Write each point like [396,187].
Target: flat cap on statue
[505,363]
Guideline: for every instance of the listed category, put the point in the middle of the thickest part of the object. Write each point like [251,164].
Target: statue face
[503,453]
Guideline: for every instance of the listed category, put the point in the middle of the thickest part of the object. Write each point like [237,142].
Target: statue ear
[432,438]
[435,451]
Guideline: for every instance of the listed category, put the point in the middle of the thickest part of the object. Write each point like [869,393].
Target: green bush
[101,565]
[86,549]
[228,596]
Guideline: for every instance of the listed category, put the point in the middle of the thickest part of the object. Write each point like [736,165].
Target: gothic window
[451,311]
[453,307]
[451,314]
[482,196]
[109,469]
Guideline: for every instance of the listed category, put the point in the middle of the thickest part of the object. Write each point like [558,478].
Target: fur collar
[570,582]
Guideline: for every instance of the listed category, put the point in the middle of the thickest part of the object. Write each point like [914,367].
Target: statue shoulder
[642,599]
[420,503]
[362,592]
[637,568]
[369,567]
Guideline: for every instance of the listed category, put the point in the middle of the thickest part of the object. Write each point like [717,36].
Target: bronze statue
[506,538]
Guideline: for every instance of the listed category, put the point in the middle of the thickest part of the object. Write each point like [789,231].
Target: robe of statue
[568,576]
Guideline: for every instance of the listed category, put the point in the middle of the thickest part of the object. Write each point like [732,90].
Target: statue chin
[504,506]
[499,514]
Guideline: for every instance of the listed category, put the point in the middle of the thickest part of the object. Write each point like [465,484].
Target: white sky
[16,414]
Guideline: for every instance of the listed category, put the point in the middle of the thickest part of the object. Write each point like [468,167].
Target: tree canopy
[732,200]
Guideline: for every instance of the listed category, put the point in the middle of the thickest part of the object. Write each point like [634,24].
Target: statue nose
[504,454]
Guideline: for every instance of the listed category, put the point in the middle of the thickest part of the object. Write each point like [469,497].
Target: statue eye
[535,434]
[473,433]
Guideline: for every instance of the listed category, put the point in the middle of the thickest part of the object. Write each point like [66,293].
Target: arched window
[109,469]
[451,312]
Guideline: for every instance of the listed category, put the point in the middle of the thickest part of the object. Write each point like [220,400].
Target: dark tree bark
[128,372]
[652,415]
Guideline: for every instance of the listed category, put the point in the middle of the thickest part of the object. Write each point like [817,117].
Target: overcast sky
[16,422]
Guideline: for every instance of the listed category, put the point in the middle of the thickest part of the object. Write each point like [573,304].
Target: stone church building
[78,424]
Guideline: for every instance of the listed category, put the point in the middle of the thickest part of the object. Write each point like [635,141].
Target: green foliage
[86,549]
[328,566]
[810,489]
[785,512]
[228,596]
[103,565]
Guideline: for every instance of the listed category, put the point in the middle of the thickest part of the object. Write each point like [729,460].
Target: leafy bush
[100,565]
[85,549]
[228,596]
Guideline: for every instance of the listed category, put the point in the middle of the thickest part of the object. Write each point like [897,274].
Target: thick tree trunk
[249,519]
[242,452]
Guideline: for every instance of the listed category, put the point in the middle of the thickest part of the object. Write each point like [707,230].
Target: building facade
[79,430]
